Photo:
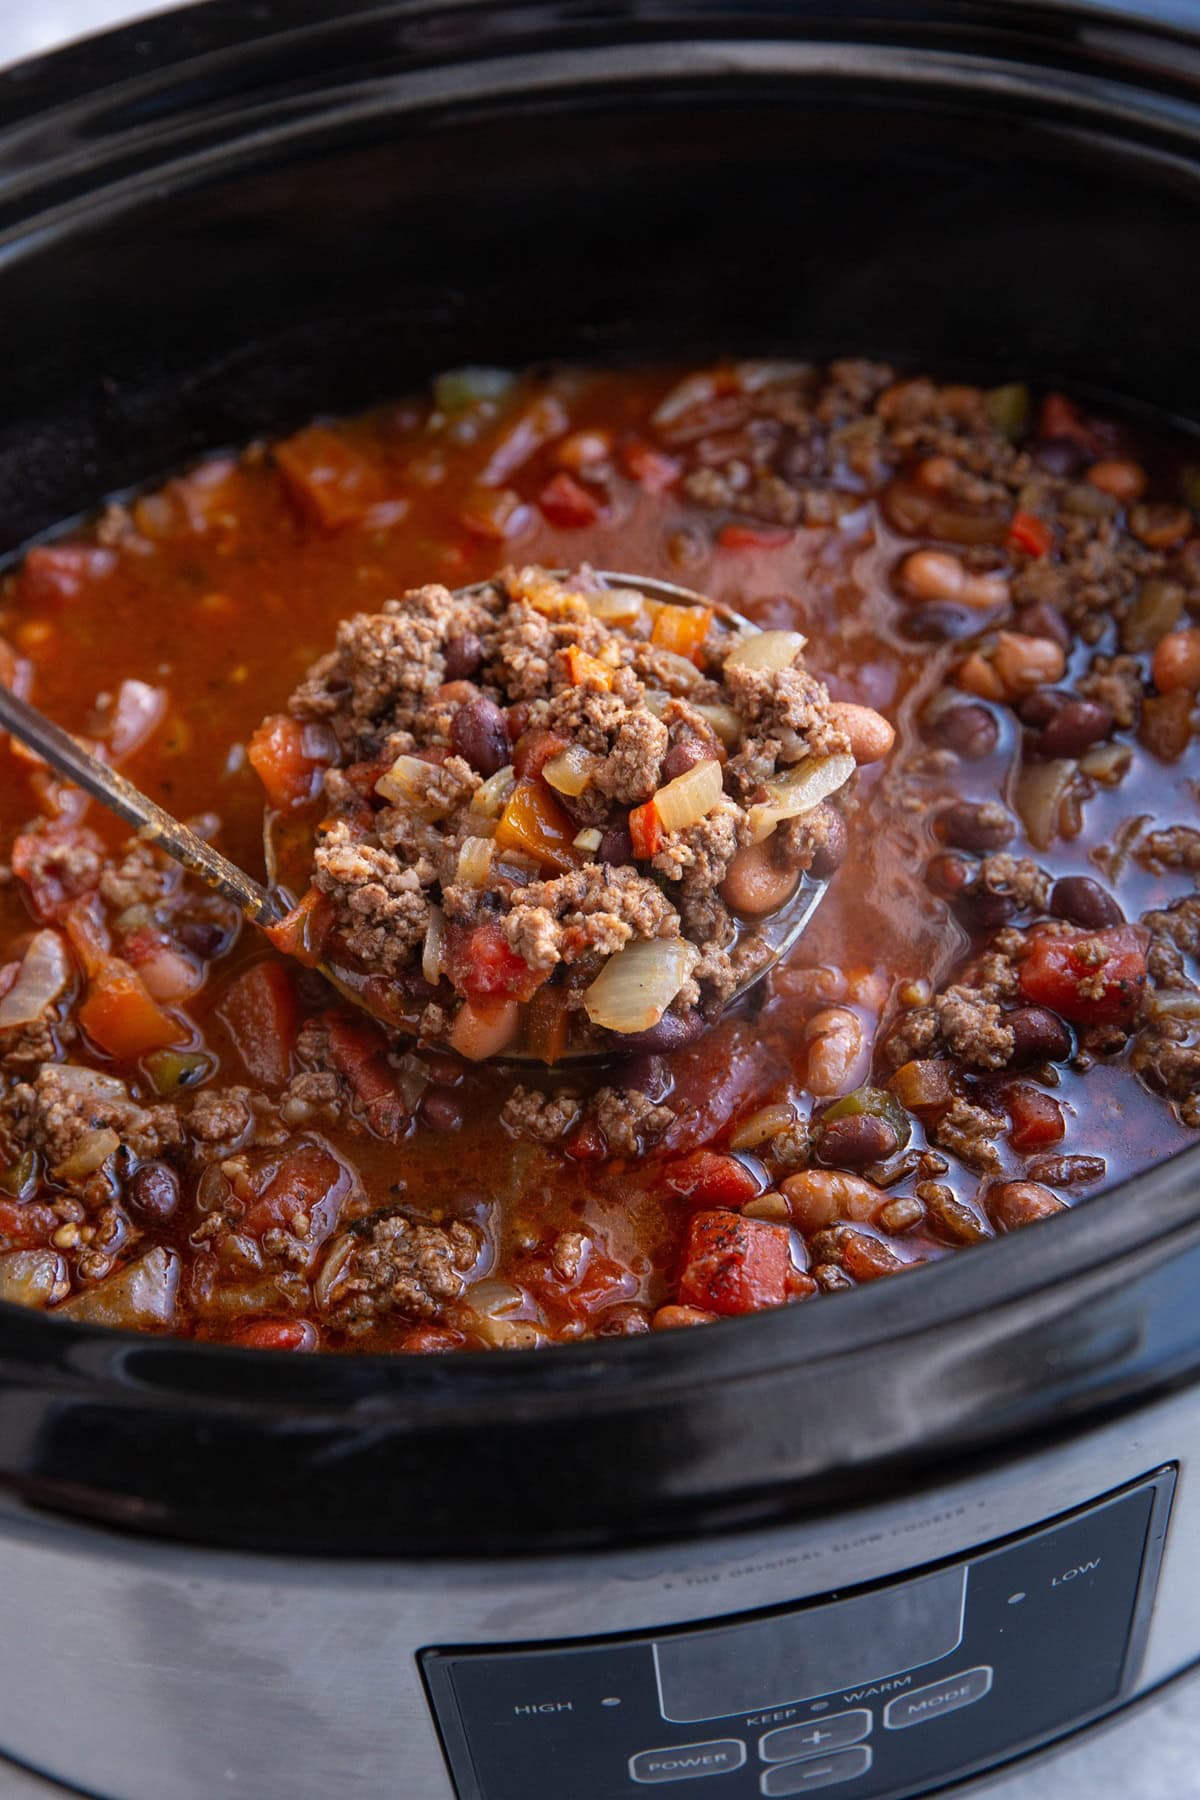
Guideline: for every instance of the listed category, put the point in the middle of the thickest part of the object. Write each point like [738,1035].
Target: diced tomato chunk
[1037,1118]
[754,537]
[26,1224]
[482,966]
[645,831]
[1031,534]
[55,867]
[1090,977]
[332,482]
[533,750]
[52,574]
[260,1012]
[122,1018]
[567,503]
[733,1264]
[600,1282]
[304,1195]
[282,755]
[277,1334]
[359,1052]
[650,468]
[713,1177]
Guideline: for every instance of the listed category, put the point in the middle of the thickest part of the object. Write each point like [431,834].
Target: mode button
[687,1762]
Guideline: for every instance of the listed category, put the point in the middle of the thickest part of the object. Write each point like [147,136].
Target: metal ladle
[778,933]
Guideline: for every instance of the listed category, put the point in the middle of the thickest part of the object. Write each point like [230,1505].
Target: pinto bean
[1038,1035]
[623,1320]
[1176,662]
[933,575]
[981,826]
[479,734]
[1084,902]
[976,675]
[1011,1204]
[1125,481]
[835,1042]
[819,1198]
[1023,663]
[900,1215]
[1160,527]
[755,882]
[871,737]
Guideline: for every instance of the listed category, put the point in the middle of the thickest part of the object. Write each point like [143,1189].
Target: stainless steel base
[144,1671]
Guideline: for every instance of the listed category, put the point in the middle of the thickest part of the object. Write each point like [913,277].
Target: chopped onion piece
[30,1277]
[44,974]
[572,771]
[92,1082]
[695,390]
[797,792]
[635,987]
[690,797]
[139,711]
[655,700]
[767,372]
[588,840]
[725,722]
[491,797]
[139,1295]
[435,946]
[767,1123]
[475,861]
[1038,795]
[621,607]
[407,783]
[766,650]
[680,674]
[93,1149]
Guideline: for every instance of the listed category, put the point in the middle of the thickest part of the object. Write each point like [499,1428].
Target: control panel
[885,1692]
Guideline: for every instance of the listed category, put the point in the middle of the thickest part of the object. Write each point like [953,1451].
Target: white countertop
[1154,1755]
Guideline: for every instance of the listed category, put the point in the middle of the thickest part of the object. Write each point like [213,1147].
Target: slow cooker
[890,1543]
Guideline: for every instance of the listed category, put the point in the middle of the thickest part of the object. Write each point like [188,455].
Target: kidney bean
[970,730]
[1038,1035]
[856,1140]
[978,826]
[480,736]
[153,1190]
[463,655]
[833,844]
[1074,727]
[205,938]
[1042,620]
[1084,902]
[672,1032]
[277,1334]
[683,756]
[1060,456]
[442,1109]
[1038,708]
[1011,1204]
[616,846]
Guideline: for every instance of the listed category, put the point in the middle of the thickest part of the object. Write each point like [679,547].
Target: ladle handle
[153,825]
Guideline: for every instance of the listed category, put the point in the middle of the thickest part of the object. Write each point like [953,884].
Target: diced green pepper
[1157,610]
[173,1070]
[1008,408]
[879,1104]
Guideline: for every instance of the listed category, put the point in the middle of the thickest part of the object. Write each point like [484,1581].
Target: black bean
[1059,456]
[832,841]
[442,1109]
[857,1139]
[649,1075]
[1037,709]
[616,846]
[671,1033]
[153,1190]
[1043,620]
[463,656]
[684,756]
[1084,902]
[938,622]
[479,734]
[206,938]
[1074,727]
[1038,1035]
[979,826]
[969,730]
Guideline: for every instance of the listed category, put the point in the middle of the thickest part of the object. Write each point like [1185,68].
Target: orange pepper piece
[536,824]
[682,629]
[122,1018]
[585,670]
[645,828]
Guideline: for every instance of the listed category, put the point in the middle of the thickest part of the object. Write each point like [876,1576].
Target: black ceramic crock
[225,219]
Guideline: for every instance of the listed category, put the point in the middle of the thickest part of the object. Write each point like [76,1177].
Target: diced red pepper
[260,1012]
[1037,1118]
[483,967]
[1090,977]
[734,1265]
[121,1017]
[301,933]
[277,1334]
[358,1051]
[586,1143]
[332,482]
[281,755]
[645,831]
[754,537]
[56,867]
[651,469]
[567,503]
[712,1177]
[1031,534]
